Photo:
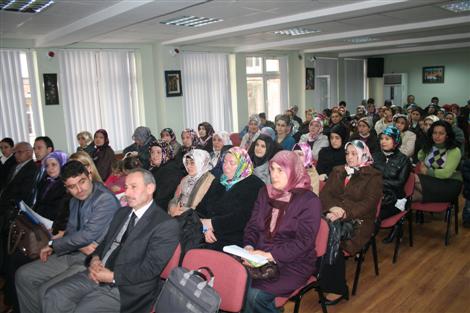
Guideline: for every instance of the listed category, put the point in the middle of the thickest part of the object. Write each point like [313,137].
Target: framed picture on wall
[173,83]
[51,90]
[310,78]
[433,75]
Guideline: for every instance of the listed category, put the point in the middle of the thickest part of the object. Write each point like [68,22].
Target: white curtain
[206,90]
[354,83]
[15,122]
[99,91]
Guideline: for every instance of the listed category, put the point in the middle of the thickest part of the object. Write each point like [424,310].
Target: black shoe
[345,296]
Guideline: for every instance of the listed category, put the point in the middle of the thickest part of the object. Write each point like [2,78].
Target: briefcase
[188,292]
[27,237]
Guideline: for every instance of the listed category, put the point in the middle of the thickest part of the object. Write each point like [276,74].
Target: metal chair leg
[410,227]
[448,215]
[375,256]
[358,271]
[456,216]
[397,240]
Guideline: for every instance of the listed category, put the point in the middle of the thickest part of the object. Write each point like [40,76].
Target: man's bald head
[23,152]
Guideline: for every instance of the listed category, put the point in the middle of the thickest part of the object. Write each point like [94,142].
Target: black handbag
[27,237]
[267,271]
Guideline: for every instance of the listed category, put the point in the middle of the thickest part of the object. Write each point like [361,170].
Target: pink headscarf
[297,177]
[308,156]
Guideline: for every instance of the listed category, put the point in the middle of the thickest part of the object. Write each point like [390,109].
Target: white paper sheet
[239,251]
[44,221]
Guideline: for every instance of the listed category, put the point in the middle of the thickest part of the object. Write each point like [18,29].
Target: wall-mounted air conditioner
[396,87]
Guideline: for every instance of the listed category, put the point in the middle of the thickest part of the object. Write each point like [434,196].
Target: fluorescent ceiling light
[297,31]
[361,40]
[191,21]
[25,6]
[458,6]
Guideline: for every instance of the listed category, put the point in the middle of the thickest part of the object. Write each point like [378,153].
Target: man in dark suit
[7,161]
[124,271]
[91,210]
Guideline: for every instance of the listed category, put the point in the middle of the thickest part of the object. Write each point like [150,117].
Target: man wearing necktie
[123,274]
[91,210]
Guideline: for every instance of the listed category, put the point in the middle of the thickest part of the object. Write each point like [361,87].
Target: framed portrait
[51,90]
[309,78]
[173,83]
[433,75]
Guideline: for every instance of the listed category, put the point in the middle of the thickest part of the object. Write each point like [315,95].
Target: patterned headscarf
[393,133]
[225,136]
[194,139]
[297,177]
[363,153]
[244,167]
[170,132]
[167,150]
[319,121]
[307,151]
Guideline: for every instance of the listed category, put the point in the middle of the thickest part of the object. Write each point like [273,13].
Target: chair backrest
[410,185]
[321,241]
[172,263]
[231,277]
[235,138]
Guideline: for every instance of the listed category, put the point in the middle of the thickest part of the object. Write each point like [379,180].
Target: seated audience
[91,210]
[268,131]
[366,133]
[395,168]
[189,141]
[43,145]
[205,132]
[168,135]
[336,118]
[282,228]
[451,118]
[85,141]
[117,180]
[253,132]
[7,161]
[52,203]
[385,121]
[305,154]
[283,128]
[217,170]
[333,155]
[219,140]
[265,122]
[86,160]
[408,138]
[142,139]
[227,205]
[193,186]
[438,179]
[415,115]
[104,155]
[304,127]
[124,271]
[166,172]
[263,149]
[315,137]
[372,114]
[441,113]
[351,194]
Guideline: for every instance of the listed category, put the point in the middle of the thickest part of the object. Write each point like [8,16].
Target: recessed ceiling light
[361,39]
[296,31]
[191,21]
[457,6]
[25,6]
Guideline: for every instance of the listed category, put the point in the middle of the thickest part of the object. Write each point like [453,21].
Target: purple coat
[293,246]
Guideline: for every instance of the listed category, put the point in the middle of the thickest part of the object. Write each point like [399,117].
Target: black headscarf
[271,149]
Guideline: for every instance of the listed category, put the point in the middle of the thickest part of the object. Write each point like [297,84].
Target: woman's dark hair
[8,141]
[450,142]
[271,149]
[131,163]
[208,127]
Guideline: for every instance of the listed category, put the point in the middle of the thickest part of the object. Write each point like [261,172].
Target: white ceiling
[248,25]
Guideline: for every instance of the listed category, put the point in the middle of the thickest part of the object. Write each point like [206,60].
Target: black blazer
[5,170]
[142,257]
[230,209]
[20,187]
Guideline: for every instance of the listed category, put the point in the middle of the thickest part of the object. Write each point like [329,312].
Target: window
[266,85]
[19,109]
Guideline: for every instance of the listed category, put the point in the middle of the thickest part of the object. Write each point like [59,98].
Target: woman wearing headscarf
[351,194]
[253,132]
[165,170]
[85,142]
[189,141]
[315,138]
[168,135]
[366,133]
[305,154]
[52,203]
[283,228]
[451,118]
[193,186]
[205,132]
[304,127]
[142,139]
[219,140]
[332,155]
[395,168]
[408,138]
[261,151]
[227,206]
[104,155]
